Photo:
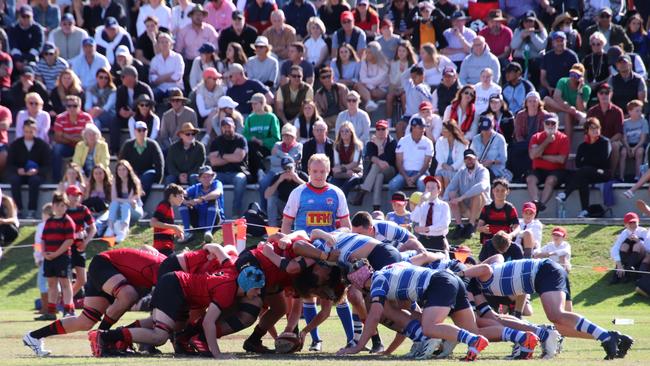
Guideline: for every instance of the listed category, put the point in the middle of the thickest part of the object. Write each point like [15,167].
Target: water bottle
[561,212]
[621,321]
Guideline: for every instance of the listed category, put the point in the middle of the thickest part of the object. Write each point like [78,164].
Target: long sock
[413,331]
[512,335]
[541,332]
[584,325]
[68,308]
[51,308]
[345,315]
[309,312]
[357,326]
[376,340]
[257,334]
[115,335]
[528,252]
[466,337]
[107,322]
[49,330]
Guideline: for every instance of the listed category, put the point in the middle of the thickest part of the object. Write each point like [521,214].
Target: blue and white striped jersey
[400,281]
[390,232]
[513,278]
[451,264]
[346,242]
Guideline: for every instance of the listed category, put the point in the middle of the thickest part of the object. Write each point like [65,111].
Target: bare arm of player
[345,222]
[290,266]
[218,251]
[397,341]
[293,317]
[481,271]
[520,302]
[210,329]
[62,249]
[323,314]
[307,250]
[425,258]
[287,224]
[91,230]
[369,328]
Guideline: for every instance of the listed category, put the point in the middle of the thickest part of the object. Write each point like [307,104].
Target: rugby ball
[287,343]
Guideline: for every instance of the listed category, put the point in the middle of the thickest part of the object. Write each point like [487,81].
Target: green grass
[594,298]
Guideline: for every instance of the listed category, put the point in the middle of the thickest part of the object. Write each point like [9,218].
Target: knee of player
[159,337]
[127,295]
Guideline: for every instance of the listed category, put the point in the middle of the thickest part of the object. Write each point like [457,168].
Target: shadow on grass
[589,230]
[601,290]
[17,263]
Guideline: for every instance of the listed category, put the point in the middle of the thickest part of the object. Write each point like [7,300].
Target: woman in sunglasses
[100,101]
[463,112]
[145,112]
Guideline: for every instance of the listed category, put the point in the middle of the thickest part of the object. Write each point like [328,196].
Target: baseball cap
[287,163]
[49,48]
[533,94]
[237,15]
[398,196]
[359,2]
[67,17]
[206,169]
[381,123]
[261,41]
[605,10]
[417,121]
[228,121]
[529,206]
[603,86]
[28,70]
[558,34]
[88,41]
[110,22]
[226,102]
[141,124]
[207,47]
[288,129]
[426,4]
[211,73]
[559,230]
[346,15]
[122,50]
[530,14]
[624,58]
[73,191]
[425,105]
[514,66]
[484,124]
[449,70]
[469,153]
[630,217]
[25,10]
[431,178]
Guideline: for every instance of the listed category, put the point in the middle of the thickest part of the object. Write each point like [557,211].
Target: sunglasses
[72,105]
[605,16]
[322,77]
[469,93]
[141,129]
[296,76]
[143,105]
[346,22]
[603,92]
[594,127]
[33,103]
[596,43]
[190,134]
[380,129]
[102,77]
[352,100]
[550,123]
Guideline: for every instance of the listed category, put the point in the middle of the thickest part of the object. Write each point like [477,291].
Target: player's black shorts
[78,259]
[551,277]
[58,267]
[170,264]
[168,297]
[166,251]
[382,255]
[100,270]
[446,289]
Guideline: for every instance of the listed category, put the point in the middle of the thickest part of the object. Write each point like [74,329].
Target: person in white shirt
[316,50]
[484,89]
[167,68]
[631,248]
[530,235]
[158,9]
[413,158]
[558,250]
[432,217]
[181,15]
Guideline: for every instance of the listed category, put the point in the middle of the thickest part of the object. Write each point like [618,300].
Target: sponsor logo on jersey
[319,218]
[330,201]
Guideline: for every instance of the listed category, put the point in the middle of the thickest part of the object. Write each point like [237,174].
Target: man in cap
[146,158]
[67,37]
[15,97]
[570,98]
[26,37]
[243,89]
[614,33]
[556,63]
[627,85]
[144,44]
[467,193]
[125,98]
[95,13]
[497,35]
[221,14]
[166,69]
[611,121]
[228,156]
[174,117]
[298,14]
[49,66]
[388,40]
[515,88]
[261,67]
[238,32]
[185,157]
[203,205]
[549,151]
[400,214]
[446,91]
[613,54]
[290,97]
[281,186]
[348,33]
[280,35]
[459,38]
[413,157]
[86,64]
[191,37]
[110,37]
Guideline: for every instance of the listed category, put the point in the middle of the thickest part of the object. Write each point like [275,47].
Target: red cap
[425,105]
[529,206]
[431,178]
[559,230]
[381,123]
[630,217]
[346,15]
[73,191]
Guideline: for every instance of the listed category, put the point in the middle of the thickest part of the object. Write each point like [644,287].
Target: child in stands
[400,215]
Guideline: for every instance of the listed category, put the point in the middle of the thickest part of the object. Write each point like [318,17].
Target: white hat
[226,102]
[122,50]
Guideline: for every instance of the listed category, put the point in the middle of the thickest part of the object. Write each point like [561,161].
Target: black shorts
[542,174]
[446,289]
[58,267]
[166,251]
[382,255]
[170,264]
[434,242]
[78,259]
[551,277]
[100,270]
[168,297]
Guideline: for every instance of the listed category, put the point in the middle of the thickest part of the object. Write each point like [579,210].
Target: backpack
[255,216]
[598,211]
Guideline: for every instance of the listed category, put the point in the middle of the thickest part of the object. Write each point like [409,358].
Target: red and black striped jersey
[82,218]
[163,238]
[56,231]
[197,261]
[139,267]
[202,289]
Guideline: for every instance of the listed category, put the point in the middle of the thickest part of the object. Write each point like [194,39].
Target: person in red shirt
[162,222]
[111,290]
[68,127]
[178,292]
[366,18]
[85,230]
[549,151]
[497,35]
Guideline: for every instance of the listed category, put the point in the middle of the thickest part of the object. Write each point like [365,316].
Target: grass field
[593,297]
